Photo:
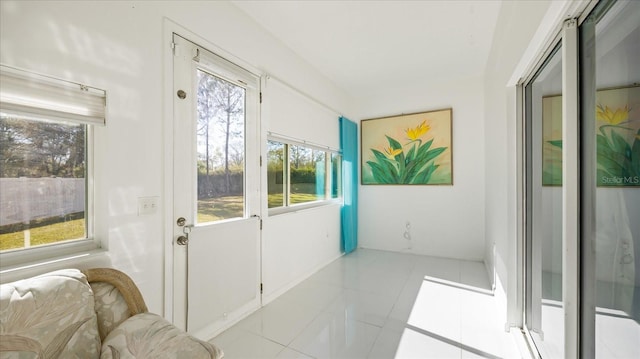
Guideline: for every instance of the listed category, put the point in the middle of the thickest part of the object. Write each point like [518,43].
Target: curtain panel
[349,210]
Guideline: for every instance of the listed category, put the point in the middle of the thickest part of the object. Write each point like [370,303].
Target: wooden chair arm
[123,283]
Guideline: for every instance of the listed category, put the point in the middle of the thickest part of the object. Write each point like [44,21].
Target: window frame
[19,258]
[287,206]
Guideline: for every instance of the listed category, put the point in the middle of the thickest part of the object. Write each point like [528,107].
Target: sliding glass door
[582,287]
[610,122]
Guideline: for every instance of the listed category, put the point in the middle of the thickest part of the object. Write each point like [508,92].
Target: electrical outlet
[147,205]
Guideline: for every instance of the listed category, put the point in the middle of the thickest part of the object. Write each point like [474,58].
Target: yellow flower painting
[612,117]
[412,149]
[617,122]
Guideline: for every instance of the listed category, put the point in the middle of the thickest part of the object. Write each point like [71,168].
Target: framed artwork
[617,138]
[413,149]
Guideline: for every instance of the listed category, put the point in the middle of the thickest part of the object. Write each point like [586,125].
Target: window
[45,127]
[299,174]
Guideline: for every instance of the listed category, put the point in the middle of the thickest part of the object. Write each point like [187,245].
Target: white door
[216,190]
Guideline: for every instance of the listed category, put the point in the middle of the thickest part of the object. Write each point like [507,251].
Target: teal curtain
[320,170]
[349,210]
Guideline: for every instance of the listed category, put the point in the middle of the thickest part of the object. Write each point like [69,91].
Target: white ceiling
[362,45]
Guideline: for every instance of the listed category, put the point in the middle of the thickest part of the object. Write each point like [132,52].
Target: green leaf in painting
[380,157]
[410,155]
[412,170]
[416,167]
[635,156]
[399,158]
[384,170]
[600,175]
[425,175]
[603,146]
[556,143]
[393,143]
[401,164]
[433,154]
[611,164]
[620,145]
[423,149]
[378,173]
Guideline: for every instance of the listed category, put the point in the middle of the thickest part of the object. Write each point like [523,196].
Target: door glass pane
[220,145]
[275,174]
[544,307]
[611,107]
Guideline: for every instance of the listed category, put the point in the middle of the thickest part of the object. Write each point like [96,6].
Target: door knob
[182,240]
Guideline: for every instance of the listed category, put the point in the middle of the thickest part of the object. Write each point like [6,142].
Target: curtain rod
[296,141]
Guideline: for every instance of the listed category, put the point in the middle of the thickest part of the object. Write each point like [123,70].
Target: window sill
[28,267]
[304,206]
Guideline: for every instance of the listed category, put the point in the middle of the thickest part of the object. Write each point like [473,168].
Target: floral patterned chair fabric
[98,313]
[49,316]
[148,335]
[111,307]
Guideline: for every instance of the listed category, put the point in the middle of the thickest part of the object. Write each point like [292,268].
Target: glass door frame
[527,189]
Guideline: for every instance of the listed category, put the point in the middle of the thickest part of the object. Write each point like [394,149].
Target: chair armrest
[148,335]
[123,283]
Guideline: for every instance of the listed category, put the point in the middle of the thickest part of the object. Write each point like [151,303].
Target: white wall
[118,46]
[446,221]
[296,245]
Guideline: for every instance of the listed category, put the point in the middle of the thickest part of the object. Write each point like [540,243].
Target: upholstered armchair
[95,313]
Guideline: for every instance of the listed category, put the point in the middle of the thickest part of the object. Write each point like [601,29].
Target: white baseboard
[215,329]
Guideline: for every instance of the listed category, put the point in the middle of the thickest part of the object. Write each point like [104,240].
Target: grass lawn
[215,209]
[44,235]
[209,210]
[303,197]
[276,200]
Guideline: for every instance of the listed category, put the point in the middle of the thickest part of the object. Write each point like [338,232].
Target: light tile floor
[617,334]
[377,304]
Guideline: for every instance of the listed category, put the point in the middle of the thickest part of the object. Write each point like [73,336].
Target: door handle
[186,229]
[183,240]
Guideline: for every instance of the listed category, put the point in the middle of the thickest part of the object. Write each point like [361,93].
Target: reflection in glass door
[544,313]
[610,121]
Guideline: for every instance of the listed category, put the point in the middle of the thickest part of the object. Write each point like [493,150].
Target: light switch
[147,205]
